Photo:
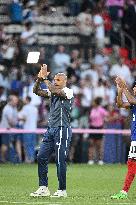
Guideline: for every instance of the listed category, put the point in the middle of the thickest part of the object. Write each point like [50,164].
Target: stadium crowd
[91,67]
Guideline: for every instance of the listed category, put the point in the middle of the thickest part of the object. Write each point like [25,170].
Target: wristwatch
[45,78]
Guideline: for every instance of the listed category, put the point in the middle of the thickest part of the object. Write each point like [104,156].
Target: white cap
[33,57]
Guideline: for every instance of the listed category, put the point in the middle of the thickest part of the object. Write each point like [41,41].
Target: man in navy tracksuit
[58,135]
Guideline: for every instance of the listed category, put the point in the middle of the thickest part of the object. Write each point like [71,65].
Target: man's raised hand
[44,72]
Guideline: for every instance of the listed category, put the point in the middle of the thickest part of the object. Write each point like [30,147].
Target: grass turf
[85,184]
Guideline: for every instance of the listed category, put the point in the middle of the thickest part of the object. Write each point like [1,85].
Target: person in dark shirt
[131,163]
[58,135]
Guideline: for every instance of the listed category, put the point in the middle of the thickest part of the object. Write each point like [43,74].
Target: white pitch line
[20,202]
[117,203]
[60,203]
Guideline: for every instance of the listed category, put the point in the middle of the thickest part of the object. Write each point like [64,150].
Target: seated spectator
[29,35]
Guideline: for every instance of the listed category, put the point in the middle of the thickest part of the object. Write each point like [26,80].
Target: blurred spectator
[114,146]
[9,120]
[30,13]
[84,24]
[122,70]
[100,91]
[43,113]
[74,7]
[8,52]
[97,118]
[91,72]
[99,28]
[19,136]
[110,93]
[3,96]
[29,35]
[86,93]
[74,66]
[17,84]
[28,91]
[102,60]
[115,8]
[2,34]
[42,55]
[107,23]
[129,20]
[29,114]
[15,11]
[4,79]
[61,60]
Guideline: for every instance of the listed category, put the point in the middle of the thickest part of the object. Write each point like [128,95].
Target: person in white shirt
[121,70]
[102,59]
[29,114]
[8,120]
[61,60]
[84,25]
[99,29]
[29,35]
[99,90]
[92,73]
[86,93]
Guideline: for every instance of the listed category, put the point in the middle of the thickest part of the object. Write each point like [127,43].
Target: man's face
[134,90]
[61,49]
[14,101]
[60,81]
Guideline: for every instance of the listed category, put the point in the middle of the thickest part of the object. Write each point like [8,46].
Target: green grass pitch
[85,184]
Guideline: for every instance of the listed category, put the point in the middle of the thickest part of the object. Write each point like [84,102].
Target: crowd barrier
[77,130]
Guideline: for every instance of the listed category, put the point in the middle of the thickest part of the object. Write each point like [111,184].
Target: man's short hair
[10,97]
[62,74]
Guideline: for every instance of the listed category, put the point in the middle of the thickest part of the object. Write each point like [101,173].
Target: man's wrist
[39,79]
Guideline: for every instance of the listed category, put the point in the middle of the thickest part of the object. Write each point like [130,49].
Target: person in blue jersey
[58,135]
[131,163]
